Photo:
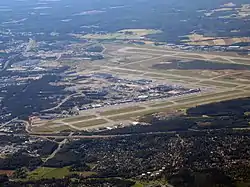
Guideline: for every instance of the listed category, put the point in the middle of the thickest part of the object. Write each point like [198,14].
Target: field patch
[57,173]
[121,110]
[234,79]
[200,65]
[149,51]
[219,84]
[126,34]
[191,75]
[48,173]
[197,39]
[89,123]
[6,172]
[242,61]
[164,103]
[205,96]
[48,129]
[78,118]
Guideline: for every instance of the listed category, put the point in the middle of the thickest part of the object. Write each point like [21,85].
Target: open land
[125,34]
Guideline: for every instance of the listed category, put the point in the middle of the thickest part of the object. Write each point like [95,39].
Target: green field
[81,118]
[131,34]
[219,84]
[48,173]
[47,129]
[122,110]
[205,96]
[133,115]
[233,79]
[89,123]
[137,184]
[242,61]
[57,173]
[165,103]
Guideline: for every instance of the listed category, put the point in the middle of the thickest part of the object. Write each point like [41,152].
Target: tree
[20,173]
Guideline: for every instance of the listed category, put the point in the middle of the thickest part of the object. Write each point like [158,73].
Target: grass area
[157,75]
[147,51]
[240,81]
[48,173]
[235,79]
[51,123]
[180,76]
[162,104]
[42,129]
[79,118]
[47,129]
[204,96]
[125,71]
[212,100]
[133,115]
[132,34]
[190,74]
[197,39]
[220,84]
[220,60]
[241,61]
[223,97]
[89,123]
[62,128]
[137,184]
[122,110]
[186,55]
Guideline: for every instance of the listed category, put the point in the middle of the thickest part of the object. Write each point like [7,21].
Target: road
[3,125]
[7,63]
[26,124]
[60,145]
